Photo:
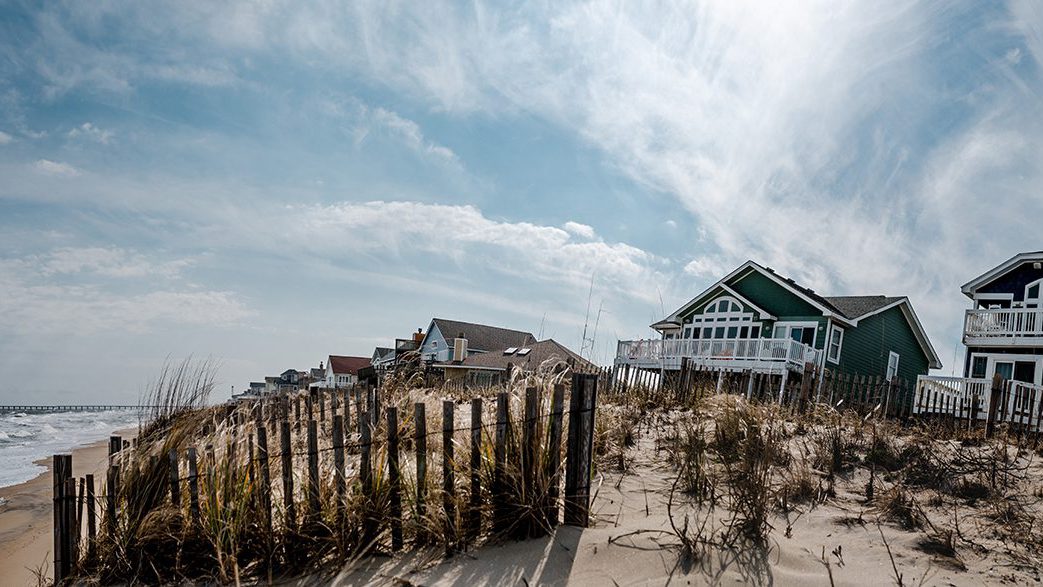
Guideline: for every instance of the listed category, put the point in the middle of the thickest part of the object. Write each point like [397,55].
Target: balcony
[1003,327]
[766,355]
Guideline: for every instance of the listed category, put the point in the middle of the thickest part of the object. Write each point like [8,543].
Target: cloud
[88,131]
[35,301]
[533,252]
[107,262]
[409,133]
[56,168]
[580,230]
[5,138]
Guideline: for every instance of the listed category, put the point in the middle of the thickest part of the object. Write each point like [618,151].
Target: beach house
[493,367]
[755,319]
[343,371]
[452,340]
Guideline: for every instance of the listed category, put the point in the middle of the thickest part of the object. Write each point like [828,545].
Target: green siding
[784,304]
[772,297]
[866,348]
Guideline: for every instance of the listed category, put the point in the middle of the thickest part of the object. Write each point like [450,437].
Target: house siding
[866,348]
[435,344]
[1013,281]
[781,302]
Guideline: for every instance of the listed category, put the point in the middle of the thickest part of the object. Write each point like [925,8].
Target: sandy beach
[26,537]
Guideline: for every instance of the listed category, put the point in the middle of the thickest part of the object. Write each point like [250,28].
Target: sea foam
[25,438]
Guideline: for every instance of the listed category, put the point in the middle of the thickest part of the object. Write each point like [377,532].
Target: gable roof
[806,294]
[347,365]
[846,310]
[538,353]
[972,286]
[856,306]
[480,336]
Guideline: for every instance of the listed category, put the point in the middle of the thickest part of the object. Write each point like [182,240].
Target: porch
[1003,327]
[760,355]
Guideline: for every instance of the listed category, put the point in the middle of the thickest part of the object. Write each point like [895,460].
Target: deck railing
[1003,325]
[971,399]
[772,350]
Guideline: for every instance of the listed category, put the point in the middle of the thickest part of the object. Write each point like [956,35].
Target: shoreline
[26,517]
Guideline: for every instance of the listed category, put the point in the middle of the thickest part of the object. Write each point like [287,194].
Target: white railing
[780,350]
[1003,325]
[966,398]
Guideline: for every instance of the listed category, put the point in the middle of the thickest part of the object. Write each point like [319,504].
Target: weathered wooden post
[112,482]
[580,443]
[266,482]
[394,479]
[553,471]
[339,477]
[193,487]
[474,520]
[994,400]
[500,512]
[313,473]
[61,472]
[92,520]
[420,438]
[175,479]
[448,478]
[529,439]
[286,462]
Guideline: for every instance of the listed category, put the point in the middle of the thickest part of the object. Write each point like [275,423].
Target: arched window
[722,318]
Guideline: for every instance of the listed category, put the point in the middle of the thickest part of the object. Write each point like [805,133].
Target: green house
[755,319]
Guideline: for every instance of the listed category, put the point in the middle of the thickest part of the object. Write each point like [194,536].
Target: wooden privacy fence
[349,452]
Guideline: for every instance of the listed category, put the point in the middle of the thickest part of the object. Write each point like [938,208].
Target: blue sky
[270,182]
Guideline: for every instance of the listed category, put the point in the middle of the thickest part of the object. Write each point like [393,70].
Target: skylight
[511,350]
[523,352]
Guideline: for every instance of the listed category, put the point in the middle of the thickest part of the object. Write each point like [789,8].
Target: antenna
[594,336]
[542,320]
[586,318]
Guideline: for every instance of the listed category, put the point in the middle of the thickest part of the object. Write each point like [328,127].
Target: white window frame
[789,326]
[888,373]
[1038,300]
[726,320]
[829,344]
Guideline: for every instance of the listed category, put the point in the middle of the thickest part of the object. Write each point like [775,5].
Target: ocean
[25,438]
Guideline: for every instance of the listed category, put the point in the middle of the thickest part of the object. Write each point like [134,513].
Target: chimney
[418,336]
[459,349]
[320,366]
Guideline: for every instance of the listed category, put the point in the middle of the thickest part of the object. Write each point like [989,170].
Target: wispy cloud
[5,138]
[88,131]
[56,168]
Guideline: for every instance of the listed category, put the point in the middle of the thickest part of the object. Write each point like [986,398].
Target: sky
[267,183]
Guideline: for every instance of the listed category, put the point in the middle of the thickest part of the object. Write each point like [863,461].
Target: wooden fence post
[500,511]
[553,471]
[265,482]
[314,514]
[448,477]
[113,484]
[580,450]
[339,478]
[420,417]
[61,471]
[369,523]
[92,520]
[70,522]
[474,523]
[193,486]
[995,393]
[286,462]
[175,479]
[394,479]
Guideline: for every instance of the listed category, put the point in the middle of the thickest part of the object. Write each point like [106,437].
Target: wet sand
[26,517]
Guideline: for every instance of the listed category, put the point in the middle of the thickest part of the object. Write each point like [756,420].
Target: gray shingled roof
[538,353]
[854,306]
[482,337]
